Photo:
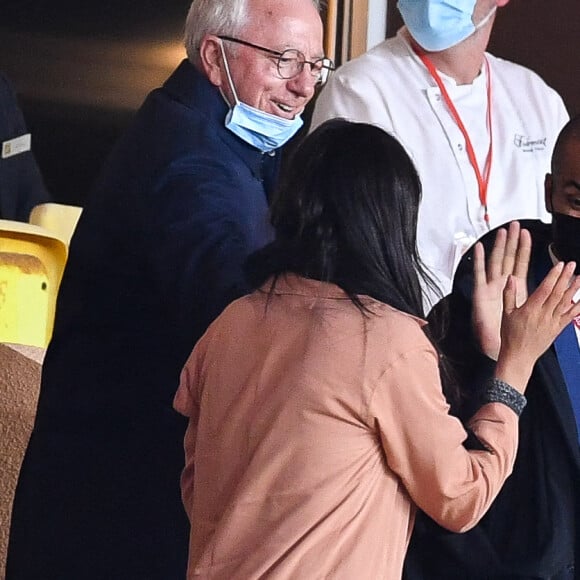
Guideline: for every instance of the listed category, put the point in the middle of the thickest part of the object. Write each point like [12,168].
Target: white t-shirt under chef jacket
[390,87]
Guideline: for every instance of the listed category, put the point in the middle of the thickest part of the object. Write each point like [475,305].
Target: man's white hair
[219,17]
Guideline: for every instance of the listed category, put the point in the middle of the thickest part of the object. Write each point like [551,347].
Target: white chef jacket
[390,87]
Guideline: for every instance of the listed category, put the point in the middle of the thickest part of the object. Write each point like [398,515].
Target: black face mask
[566,237]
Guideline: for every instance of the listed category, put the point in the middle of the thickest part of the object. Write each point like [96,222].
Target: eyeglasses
[290,62]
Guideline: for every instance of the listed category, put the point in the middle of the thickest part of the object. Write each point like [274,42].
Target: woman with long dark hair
[317,418]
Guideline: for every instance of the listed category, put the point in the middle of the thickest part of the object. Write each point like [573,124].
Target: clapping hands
[511,328]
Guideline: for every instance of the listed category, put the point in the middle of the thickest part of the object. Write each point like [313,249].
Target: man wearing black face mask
[563,193]
[532,530]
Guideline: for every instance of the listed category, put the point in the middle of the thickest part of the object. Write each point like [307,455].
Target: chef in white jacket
[479,128]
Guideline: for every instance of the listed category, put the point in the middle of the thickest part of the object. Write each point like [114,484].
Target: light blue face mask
[440,24]
[262,130]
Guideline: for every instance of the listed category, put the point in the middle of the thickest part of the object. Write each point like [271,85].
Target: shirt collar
[293,284]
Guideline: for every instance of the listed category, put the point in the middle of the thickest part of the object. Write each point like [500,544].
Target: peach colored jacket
[315,432]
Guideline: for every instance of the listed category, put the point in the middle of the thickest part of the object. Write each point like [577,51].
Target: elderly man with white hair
[157,254]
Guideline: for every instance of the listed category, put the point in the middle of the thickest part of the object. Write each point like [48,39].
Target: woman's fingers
[496,258]
[564,289]
[510,254]
[524,252]
[511,249]
[545,290]
[479,275]
[555,302]
[509,295]
[527,331]
[569,307]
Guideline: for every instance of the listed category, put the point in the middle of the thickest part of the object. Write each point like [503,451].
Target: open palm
[510,256]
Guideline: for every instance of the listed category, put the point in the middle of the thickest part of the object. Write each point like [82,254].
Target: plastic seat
[59,218]
[32,261]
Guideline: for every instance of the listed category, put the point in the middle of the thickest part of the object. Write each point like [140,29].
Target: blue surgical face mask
[262,130]
[440,24]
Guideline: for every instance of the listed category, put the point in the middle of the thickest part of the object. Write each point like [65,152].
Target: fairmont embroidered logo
[528,145]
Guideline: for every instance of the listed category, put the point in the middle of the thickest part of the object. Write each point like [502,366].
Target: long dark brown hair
[346,212]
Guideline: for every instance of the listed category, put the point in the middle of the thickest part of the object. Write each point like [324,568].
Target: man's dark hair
[570,131]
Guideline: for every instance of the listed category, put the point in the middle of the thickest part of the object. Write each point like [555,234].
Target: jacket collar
[290,283]
[191,88]
[293,284]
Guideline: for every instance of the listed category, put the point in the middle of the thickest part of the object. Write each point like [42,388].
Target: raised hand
[510,256]
[529,330]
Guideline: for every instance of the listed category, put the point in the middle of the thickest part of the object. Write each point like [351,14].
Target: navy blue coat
[529,532]
[158,253]
[21,185]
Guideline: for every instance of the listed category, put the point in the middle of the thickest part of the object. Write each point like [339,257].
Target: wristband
[498,391]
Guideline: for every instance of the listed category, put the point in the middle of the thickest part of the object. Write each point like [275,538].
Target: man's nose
[304,83]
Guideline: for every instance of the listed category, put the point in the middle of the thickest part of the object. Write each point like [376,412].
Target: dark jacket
[157,254]
[529,532]
[21,185]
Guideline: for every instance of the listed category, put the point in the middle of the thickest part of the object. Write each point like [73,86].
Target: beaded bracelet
[498,391]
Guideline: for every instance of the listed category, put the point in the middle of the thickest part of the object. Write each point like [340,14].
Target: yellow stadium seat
[32,261]
[57,217]
[24,299]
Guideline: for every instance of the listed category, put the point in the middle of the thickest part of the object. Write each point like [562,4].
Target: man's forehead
[286,27]
[570,157]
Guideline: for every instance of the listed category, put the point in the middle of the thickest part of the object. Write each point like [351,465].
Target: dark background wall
[81,70]
[543,35]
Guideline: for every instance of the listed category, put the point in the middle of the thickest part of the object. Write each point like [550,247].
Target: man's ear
[211,58]
[548,192]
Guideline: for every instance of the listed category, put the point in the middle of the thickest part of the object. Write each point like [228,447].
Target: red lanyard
[482,180]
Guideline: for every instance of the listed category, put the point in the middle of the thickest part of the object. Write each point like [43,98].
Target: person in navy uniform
[21,184]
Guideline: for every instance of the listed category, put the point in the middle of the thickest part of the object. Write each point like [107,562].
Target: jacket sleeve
[423,443]
[203,235]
